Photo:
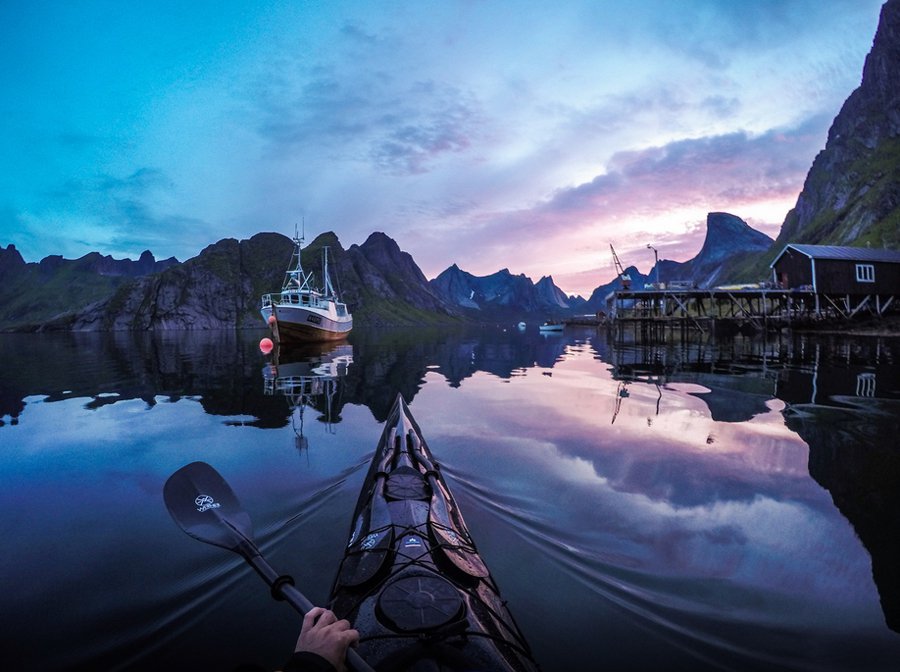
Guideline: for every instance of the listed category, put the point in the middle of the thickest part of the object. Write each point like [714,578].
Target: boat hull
[412,582]
[295,324]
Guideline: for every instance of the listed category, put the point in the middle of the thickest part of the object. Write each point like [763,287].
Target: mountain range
[221,287]
[851,196]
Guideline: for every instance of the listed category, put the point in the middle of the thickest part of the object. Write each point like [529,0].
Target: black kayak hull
[411,580]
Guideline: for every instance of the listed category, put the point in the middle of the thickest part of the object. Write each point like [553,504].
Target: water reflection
[664,491]
[213,367]
[840,395]
[310,376]
[854,455]
[741,373]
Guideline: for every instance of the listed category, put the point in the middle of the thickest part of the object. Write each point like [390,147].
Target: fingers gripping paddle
[206,508]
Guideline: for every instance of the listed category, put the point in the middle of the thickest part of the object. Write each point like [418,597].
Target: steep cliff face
[215,289]
[729,242]
[11,262]
[852,192]
[549,294]
[385,286]
[457,287]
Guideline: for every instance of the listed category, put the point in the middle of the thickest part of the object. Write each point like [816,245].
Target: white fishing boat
[551,326]
[303,313]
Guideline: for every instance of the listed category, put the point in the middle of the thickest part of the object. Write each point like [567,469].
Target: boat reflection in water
[309,376]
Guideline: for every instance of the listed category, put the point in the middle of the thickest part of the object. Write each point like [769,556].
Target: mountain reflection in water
[641,507]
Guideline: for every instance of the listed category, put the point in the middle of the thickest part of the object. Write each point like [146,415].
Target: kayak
[411,581]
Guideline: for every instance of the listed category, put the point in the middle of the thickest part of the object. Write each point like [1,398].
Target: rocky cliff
[549,294]
[500,294]
[221,287]
[851,195]
[730,243]
[383,285]
[212,290]
[37,292]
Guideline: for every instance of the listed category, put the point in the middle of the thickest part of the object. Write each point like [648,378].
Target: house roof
[839,252]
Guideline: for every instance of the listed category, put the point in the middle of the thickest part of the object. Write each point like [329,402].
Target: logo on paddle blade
[205,503]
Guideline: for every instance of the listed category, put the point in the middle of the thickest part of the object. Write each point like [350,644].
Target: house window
[865,273]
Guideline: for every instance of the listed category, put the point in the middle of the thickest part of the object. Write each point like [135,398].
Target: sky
[487,133]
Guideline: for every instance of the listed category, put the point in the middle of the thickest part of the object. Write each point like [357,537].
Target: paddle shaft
[283,589]
[203,504]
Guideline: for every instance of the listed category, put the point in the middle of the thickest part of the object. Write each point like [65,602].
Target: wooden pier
[652,313]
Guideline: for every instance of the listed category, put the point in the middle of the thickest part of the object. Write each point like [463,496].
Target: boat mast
[329,288]
[294,278]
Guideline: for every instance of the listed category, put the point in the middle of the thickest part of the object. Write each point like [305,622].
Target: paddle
[206,508]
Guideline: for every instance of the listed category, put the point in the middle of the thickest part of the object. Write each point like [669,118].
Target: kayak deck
[412,582]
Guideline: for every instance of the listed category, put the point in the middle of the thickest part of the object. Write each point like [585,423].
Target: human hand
[323,634]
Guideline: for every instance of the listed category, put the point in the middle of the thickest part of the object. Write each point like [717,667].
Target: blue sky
[491,134]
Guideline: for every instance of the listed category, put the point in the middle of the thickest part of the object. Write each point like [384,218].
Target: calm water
[695,506]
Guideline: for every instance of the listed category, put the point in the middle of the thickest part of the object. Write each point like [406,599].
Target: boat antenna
[295,277]
[302,236]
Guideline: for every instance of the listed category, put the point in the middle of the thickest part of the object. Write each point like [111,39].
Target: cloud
[709,171]
[660,194]
[416,138]
[364,114]
[432,124]
[121,215]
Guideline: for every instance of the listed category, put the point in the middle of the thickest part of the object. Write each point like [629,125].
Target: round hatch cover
[419,603]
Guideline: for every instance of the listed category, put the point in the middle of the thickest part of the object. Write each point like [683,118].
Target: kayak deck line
[411,581]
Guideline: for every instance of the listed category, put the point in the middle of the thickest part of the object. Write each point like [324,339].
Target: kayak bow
[411,581]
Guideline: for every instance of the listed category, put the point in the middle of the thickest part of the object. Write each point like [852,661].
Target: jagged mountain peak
[500,291]
[379,238]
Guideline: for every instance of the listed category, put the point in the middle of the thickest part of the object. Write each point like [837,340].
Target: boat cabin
[831,269]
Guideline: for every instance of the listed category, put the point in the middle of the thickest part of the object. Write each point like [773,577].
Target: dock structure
[655,312]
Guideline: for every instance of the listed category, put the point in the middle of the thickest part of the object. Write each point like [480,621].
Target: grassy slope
[35,297]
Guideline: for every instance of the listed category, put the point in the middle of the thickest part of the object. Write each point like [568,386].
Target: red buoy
[271,319]
[266,345]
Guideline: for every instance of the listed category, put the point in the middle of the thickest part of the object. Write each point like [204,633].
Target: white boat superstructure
[301,312]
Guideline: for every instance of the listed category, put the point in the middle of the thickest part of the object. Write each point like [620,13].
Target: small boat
[521,326]
[551,326]
[411,581]
[301,313]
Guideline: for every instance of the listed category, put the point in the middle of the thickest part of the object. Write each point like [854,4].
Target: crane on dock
[623,276]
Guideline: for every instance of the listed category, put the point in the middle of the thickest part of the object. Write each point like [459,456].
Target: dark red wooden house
[852,277]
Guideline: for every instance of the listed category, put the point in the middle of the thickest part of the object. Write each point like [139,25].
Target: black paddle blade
[205,507]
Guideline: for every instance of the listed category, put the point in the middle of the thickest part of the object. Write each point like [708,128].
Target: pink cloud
[684,180]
